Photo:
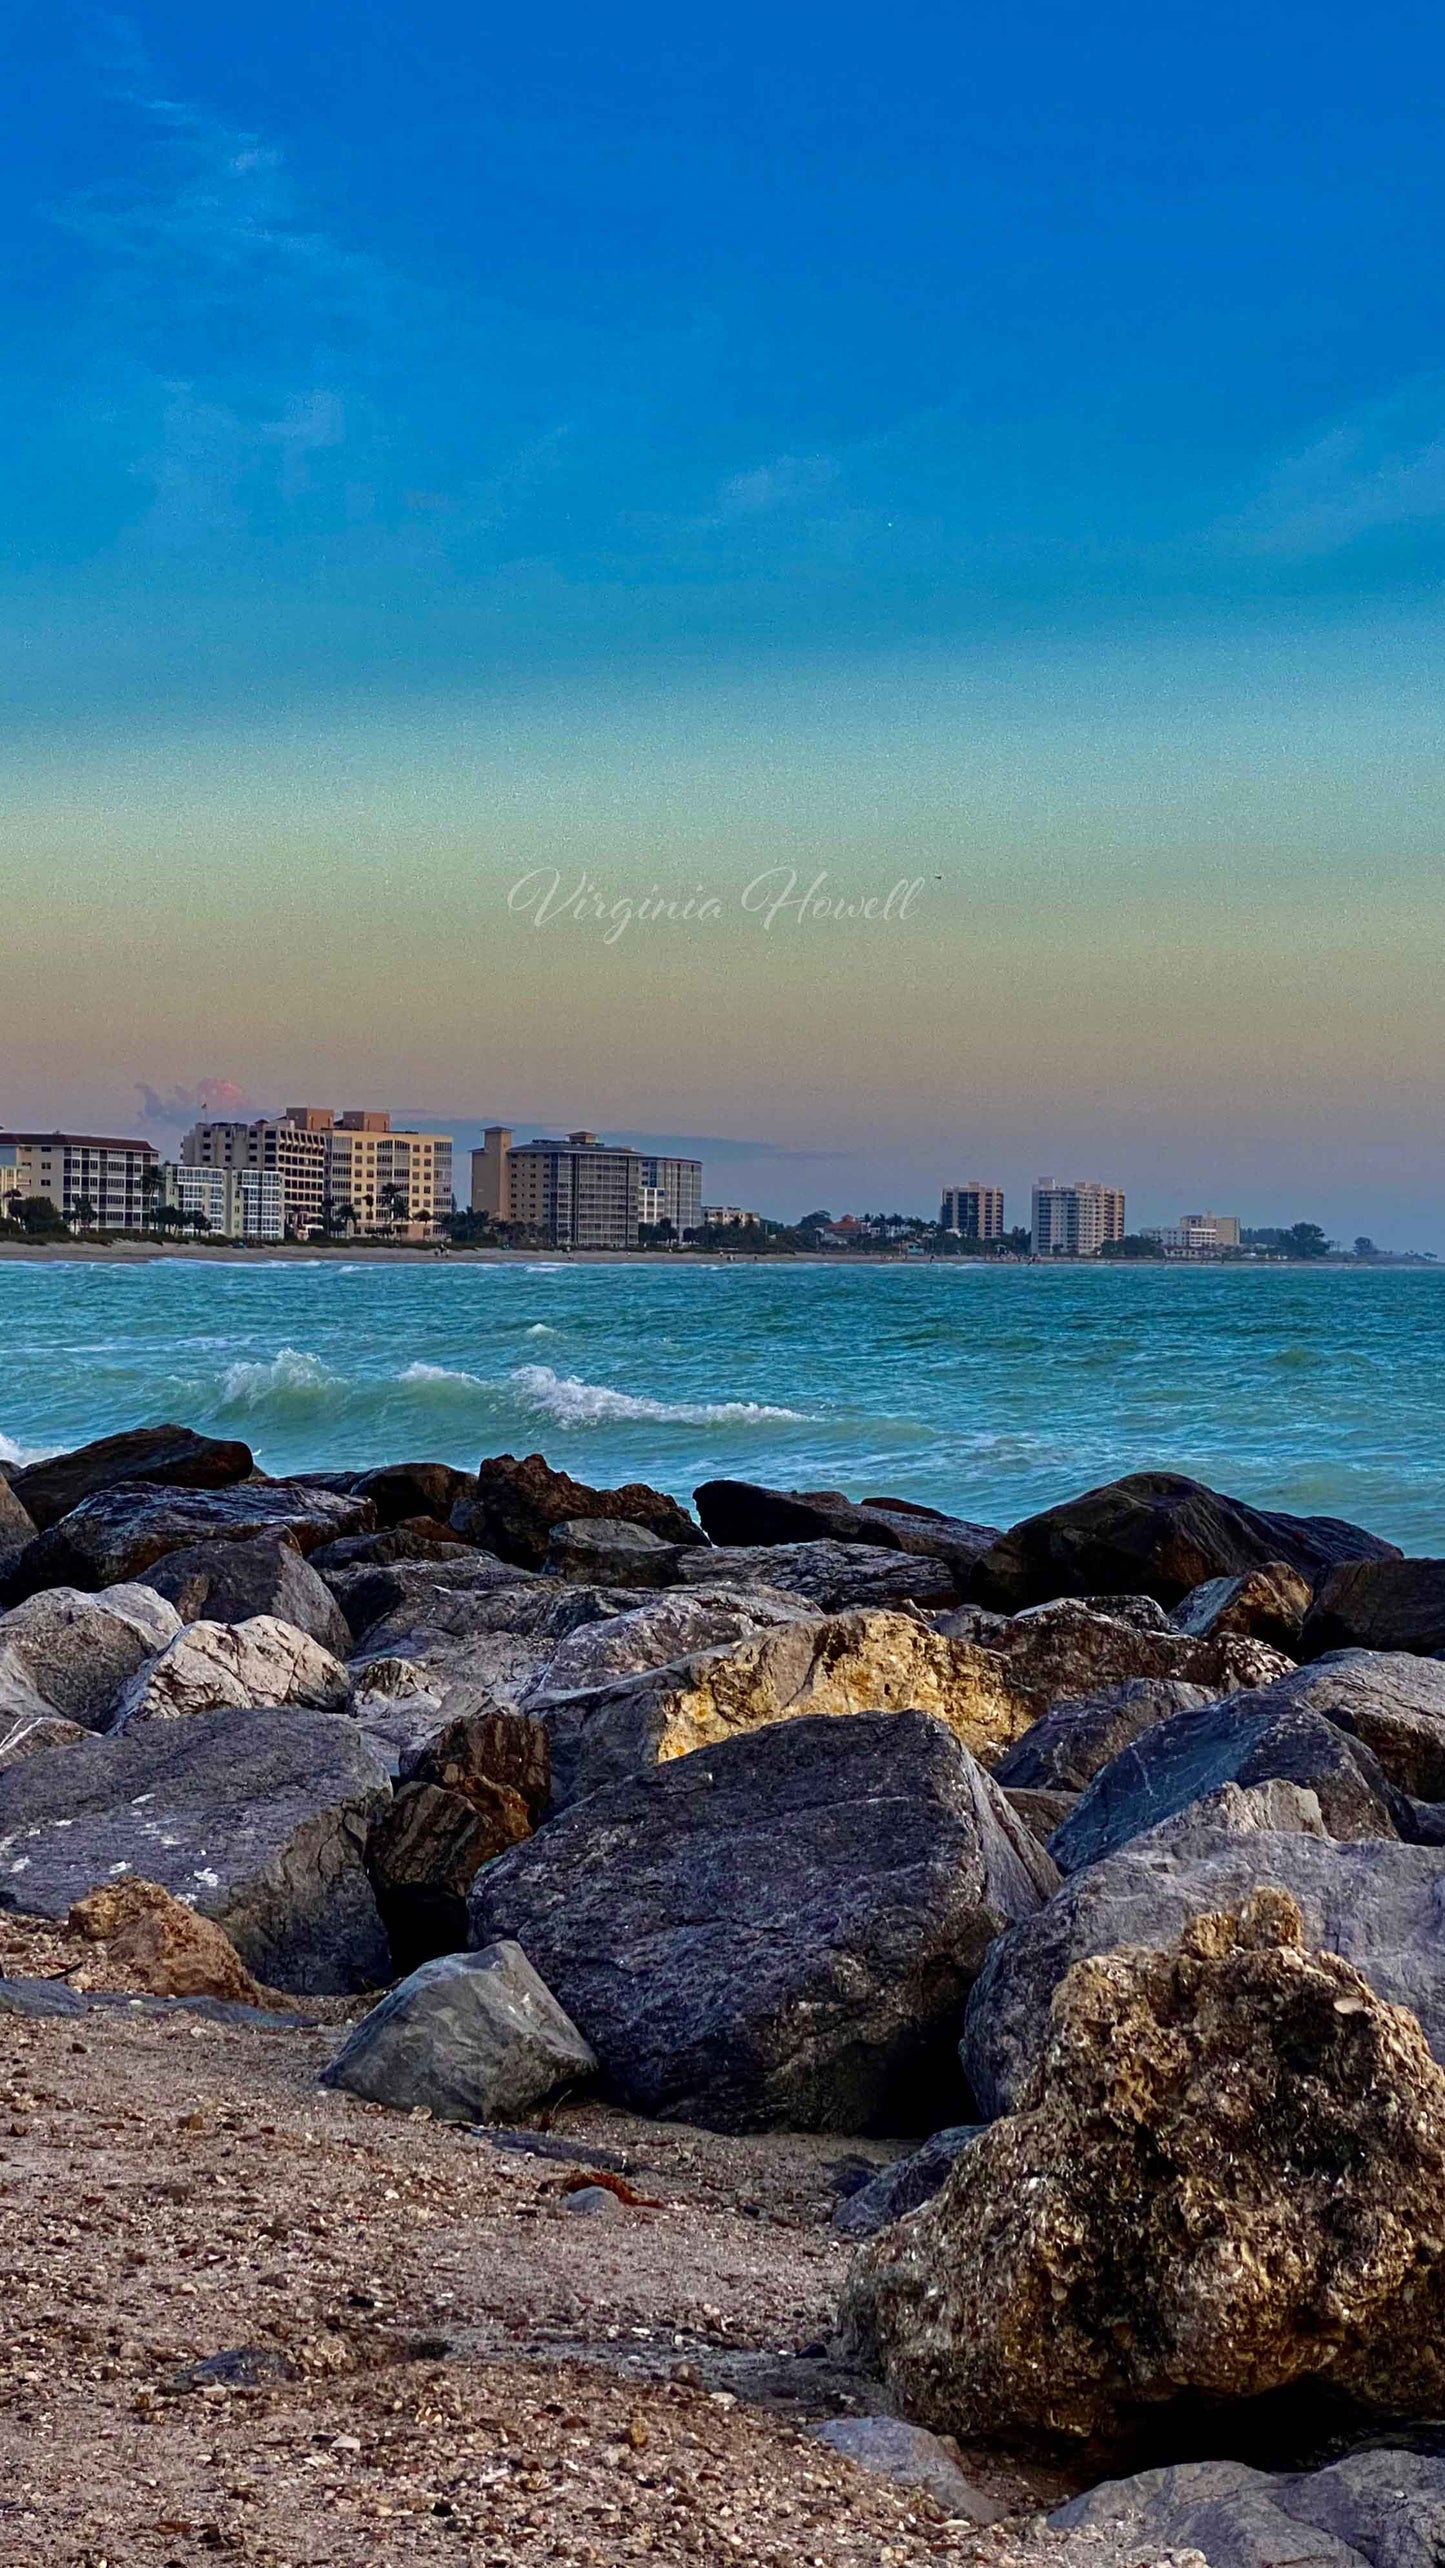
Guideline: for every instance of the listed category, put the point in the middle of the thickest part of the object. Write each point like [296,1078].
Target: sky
[944,508]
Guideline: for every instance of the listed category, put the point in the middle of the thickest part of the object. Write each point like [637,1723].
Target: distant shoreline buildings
[581,1192]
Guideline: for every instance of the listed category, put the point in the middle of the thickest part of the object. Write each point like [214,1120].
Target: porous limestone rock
[169,1950]
[1075,1646]
[1225,2181]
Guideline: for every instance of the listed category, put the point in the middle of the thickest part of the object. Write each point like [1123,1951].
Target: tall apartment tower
[491,1189]
[1076,1220]
[293,1144]
[390,1180]
[973,1211]
[583,1192]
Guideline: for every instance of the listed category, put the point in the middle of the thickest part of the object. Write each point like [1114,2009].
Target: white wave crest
[574,1403]
[539,1328]
[290,1369]
[22,1455]
[440,1373]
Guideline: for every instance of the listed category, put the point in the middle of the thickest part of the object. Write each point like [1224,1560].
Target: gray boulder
[745,1513]
[1379,1904]
[605,1551]
[1246,1739]
[836,1577]
[259,1824]
[667,1628]
[1378,1605]
[172,1457]
[912,2458]
[229,1582]
[371,1592]
[500,1639]
[246,1666]
[475,2037]
[121,1533]
[68,1653]
[1376,2509]
[1391,1701]
[1072,1743]
[1265,1604]
[901,2188]
[779,1931]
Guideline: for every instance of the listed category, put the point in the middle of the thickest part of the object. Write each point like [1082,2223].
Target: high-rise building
[1076,1220]
[583,1192]
[234,1203]
[336,1171]
[973,1211]
[80,1169]
[1208,1230]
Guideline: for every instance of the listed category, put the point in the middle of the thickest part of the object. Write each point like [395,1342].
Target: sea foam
[574,1403]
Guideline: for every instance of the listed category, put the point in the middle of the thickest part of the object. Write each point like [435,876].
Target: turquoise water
[989,1391]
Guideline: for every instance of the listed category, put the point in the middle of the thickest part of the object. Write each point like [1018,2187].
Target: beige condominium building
[106,1184]
[582,1192]
[973,1211]
[233,1203]
[1076,1220]
[349,1171]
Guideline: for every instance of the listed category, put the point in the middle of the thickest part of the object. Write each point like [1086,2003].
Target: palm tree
[82,1213]
[395,1205]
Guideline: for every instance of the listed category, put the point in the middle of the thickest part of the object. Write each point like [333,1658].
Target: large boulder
[68,1653]
[605,1551]
[1381,2508]
[1268,1604]
[518,1502]
[162,1944]
[418,1539]
[173,1456]
[1378,1605]
[424,1850]
[779,1931]
[1075,1740]
[473,2037]
[1224,2183]
[17,1529]
[654,1631]
[497,1638]
[1159,1533]
[248,1666]
[121,1533]
[1391,1701]
[836,1577]
[745,1512]
[229,1582]
[403,1490]
[260,1824]
[1376,1902]
[1245,1739]
[369,1591]
[1075,1645]
[834,1663]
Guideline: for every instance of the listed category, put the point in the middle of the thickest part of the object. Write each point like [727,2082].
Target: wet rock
[909,2182]
[746,1513]
[260,1823]
[1074,1741]
[475,2037]
[835,1664]
[246,1665]
[1378,1605]
[1071,1647]
[1158,1533]
[836,1577]
[167,1948]
[1246,1739]
[400,1490]
[120,1534]
[1376,1902]
[1224,2183]
[779,1931]
[911,2458]
[1268,1604]
[1383,2508]
[605,1551]
[519,1501]
[67,1653]
[424,1850]
[173,1457]
[229,1582]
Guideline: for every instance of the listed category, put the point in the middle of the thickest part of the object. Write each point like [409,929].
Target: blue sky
[938,396]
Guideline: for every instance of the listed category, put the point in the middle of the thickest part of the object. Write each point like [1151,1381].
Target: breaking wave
[430,1373]
[574,1403]
[291,1373]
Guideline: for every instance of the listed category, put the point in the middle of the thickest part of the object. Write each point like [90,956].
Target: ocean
[989,1391]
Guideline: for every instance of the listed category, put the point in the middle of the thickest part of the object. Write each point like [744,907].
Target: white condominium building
[233,1203]
[1076,1220]
[99,1183]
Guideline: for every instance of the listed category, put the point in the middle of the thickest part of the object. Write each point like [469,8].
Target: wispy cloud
[1382,466]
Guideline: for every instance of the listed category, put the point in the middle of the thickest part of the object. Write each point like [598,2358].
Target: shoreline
[122,1252]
